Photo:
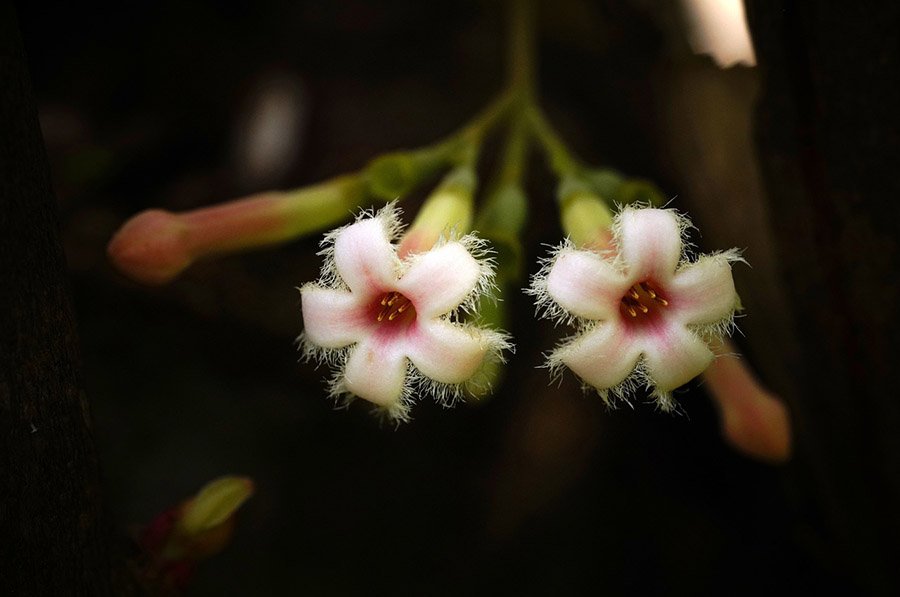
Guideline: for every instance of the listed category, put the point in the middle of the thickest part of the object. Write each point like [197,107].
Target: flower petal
[703,292]
[603,357]
[445,352]
[439,280]
[365,258]
[332,318]
[376,371]
[674,355]
[585,285]
[650,243]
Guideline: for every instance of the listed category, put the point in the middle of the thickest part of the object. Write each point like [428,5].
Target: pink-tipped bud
[152,247]
[754,421]
[155,246]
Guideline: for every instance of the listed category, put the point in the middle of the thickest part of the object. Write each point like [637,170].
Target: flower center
[394,308]
[642,302]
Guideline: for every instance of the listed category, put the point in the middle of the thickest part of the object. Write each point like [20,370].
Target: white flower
[645,313]
[390,326]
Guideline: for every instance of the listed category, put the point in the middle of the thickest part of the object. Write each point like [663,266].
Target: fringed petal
[703,292]
[673,355]
[649,242]
[445,352]
[439,280]
[332,318]
[585,285]
[603,357]
[364,257]
[376,371]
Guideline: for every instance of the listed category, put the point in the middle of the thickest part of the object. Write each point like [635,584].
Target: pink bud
[754,421]
[152,247]
[155,246]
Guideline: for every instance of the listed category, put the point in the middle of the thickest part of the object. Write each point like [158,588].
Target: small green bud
[501,220]
[214,504]
[505,210]
[203,524]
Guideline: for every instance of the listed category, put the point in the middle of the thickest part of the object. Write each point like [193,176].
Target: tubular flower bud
[389,326]
[645,313]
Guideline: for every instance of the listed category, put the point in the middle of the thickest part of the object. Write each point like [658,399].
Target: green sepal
[605,182]
[639,190]
[395,175]
[575,184]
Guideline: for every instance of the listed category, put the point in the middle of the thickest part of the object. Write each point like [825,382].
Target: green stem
[515,153]
[521,65]
[465,144]
[562,160]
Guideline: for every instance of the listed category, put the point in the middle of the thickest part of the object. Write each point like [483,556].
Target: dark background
[540,490]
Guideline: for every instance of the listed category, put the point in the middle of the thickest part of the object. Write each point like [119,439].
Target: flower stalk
[501,221]
[399,315]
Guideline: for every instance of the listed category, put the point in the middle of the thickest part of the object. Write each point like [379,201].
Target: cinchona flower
[390,326]
[645,313]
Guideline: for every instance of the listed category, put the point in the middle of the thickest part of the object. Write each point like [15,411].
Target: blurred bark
[53,536]
[828,130]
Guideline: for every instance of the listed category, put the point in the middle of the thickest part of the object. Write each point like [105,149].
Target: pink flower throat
[642,303]
[395,309]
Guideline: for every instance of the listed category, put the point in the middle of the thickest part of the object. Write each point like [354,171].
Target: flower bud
[501,221]
[155,246]
[754,421]
[585,218]
[447,211]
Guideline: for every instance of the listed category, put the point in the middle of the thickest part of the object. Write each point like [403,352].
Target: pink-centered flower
[391,327]
[645,312]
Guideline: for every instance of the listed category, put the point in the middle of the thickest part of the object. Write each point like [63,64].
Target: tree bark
[54,539]
[828,129]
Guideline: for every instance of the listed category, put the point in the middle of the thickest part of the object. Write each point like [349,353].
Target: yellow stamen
[394,304]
